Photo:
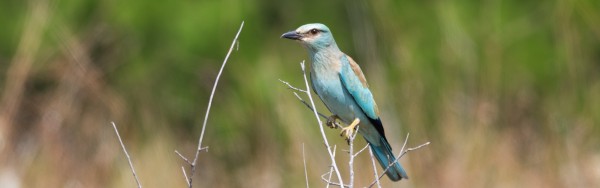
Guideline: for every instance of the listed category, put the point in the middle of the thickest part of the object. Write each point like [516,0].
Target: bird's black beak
[292,35]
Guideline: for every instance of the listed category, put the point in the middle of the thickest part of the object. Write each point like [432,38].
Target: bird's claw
[348,132]
[331,121]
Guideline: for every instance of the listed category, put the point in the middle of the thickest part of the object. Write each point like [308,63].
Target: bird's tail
[383,153]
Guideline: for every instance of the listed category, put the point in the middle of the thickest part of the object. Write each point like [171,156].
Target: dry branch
[212,94]
[312,102]
[400,155]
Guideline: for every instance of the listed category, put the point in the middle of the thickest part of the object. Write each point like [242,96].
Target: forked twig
[351,138]
[212,94]
[302,100]
[400,155]
[329,182]
[331,168]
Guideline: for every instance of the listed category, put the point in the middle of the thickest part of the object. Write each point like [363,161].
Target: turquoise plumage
[341,85]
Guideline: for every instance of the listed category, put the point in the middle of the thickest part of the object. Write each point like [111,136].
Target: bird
[341,85]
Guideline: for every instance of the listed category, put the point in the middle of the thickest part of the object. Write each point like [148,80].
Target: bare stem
[374,167]
[127,154]
[329,182]
[312,102]
[414,148]
[352,155]
[331,168]
[361,150]
[184,158]
[305,172]
[185,175]
[212,94]
[292,87]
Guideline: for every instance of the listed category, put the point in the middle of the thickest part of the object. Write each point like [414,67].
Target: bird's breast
[329,87]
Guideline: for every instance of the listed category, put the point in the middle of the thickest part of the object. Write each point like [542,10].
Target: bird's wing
[355,83]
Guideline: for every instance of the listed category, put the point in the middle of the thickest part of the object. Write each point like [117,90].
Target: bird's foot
[348,131]
[331,121]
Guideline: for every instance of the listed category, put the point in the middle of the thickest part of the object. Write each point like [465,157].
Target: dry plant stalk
[212,94]
[312,102]
[200,148]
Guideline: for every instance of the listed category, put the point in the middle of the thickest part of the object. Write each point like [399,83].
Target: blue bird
[342,87]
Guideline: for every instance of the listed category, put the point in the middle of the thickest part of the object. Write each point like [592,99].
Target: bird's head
[315,36]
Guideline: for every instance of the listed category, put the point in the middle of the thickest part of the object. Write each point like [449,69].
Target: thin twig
[127,154]
[291,86]
[400,155]
[305,172]
[303,101]
[185,175]
[403,145]
[414,148]
[392,164]
[331,167]
[361,150]
[184,158]
[329,182]
[351,154]
[374,167]
[312,102]
[212,94]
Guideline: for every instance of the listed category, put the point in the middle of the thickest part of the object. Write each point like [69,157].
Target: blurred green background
[508,92]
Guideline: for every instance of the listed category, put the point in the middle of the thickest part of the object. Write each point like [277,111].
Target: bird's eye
[314,31]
